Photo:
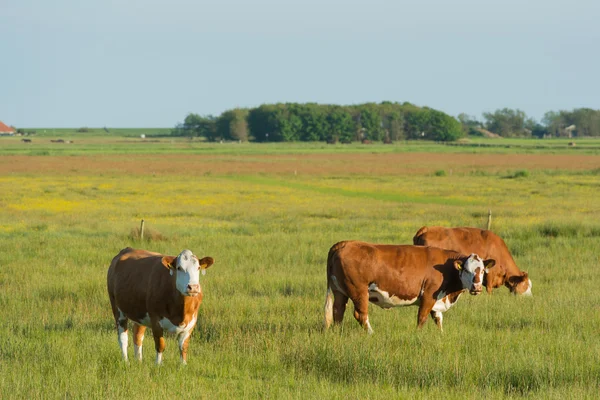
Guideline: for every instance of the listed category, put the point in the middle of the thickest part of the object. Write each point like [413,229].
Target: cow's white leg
[159,340]
[183,345]
[138,339]
[122,330]
[123,342]
[137,352]
[368,327]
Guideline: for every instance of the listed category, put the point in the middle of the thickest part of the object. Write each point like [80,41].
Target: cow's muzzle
[475,290]
[193,290]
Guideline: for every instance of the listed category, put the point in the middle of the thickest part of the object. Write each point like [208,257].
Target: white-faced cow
[156,291]
[398,275]
[485,243]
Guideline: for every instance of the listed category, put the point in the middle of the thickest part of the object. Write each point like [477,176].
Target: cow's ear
[489,264]
[169,262]
[458,264]
[205,263]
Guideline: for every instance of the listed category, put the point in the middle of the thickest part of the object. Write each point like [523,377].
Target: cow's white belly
[443,304]
[383,299]
[168,326]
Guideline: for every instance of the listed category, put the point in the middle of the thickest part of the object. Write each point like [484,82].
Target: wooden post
[489,224]
[142,231]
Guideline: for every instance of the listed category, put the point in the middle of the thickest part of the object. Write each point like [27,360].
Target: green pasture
[159,141]
[259,332]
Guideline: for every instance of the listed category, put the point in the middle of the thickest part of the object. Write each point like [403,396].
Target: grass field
[268,215]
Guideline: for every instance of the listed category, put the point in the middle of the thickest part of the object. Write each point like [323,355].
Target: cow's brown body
[485,243]
[393,275]
[142,287]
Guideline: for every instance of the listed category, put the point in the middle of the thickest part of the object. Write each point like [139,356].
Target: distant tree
[341,124]
[261,123]
[554,123]
[275,123]
[370,122]
[200,126]
[469,124]
[232,125]
[443,127]
[586,121]
[539,131]
[314,122]
[310,122]
[507,122]
[416,123]
[393,123]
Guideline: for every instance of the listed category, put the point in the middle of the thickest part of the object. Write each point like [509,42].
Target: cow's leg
[361,311]
[159,340]
[339,307]
[424,309]
[138,337]
[438,318]
[121,322]
[184,342]
[121,325]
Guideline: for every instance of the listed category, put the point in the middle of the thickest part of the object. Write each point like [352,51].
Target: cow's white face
[187,270]
[471,272]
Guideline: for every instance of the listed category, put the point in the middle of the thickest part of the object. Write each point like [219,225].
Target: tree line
[286,122]
[580,122]
[386,121]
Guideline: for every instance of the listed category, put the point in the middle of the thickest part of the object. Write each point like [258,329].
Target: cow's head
[471,270]
[519,284]
[186,268]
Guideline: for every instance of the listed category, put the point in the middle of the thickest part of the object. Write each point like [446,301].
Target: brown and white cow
[156,291]
[485,243]
[398,275]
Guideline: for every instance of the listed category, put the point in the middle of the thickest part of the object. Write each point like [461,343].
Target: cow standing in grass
[156,291]
[398,275]
[485,243]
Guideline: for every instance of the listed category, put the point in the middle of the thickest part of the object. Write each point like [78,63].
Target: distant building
[6,130]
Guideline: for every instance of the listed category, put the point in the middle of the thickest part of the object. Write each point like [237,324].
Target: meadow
[268,215]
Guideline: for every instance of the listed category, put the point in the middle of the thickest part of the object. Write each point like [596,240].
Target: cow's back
[131,275]
[465,240]
[401,267]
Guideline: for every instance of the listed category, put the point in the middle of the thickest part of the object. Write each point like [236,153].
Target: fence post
[142,231]
[489,224]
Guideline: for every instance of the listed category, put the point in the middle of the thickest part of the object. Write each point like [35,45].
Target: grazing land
[268,214]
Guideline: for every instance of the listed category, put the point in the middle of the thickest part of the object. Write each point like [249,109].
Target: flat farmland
[268,216]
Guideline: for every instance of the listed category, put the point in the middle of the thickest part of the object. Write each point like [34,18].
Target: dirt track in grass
[305,164]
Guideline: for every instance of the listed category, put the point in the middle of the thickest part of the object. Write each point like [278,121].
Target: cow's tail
[328,308]
[418,239]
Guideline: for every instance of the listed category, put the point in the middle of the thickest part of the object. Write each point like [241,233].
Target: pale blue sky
[134,63]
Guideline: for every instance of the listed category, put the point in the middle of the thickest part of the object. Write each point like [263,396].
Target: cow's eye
[179,269]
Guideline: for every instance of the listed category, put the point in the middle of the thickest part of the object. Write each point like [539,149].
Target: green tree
[370,122]
[341,124]
[314,122]
[443,127]
[233,125]
[507,122]
[200,126]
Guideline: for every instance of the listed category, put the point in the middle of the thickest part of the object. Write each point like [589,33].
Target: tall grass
[259,333]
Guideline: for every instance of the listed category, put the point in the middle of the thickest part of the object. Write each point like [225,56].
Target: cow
[398,275]
[156,291]
[485,243]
